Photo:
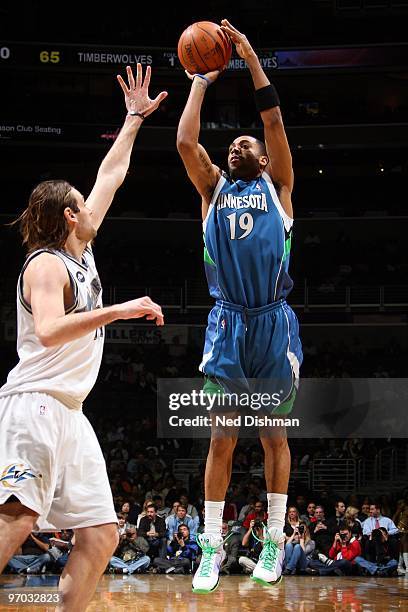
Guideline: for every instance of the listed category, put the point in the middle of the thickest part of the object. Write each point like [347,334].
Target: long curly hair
[42,224]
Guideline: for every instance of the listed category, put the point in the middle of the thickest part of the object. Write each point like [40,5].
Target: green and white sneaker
[206,578]
[268,570]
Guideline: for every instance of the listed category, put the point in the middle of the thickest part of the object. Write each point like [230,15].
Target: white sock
[276,510]
[213,517]
[405,555]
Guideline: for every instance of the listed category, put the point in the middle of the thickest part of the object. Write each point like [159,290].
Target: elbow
[46,340]
[184,142]
[272,117]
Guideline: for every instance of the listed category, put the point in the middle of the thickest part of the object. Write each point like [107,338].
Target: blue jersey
[247,237]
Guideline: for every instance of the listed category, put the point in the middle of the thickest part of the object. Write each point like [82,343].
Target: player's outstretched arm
[280,158]
[114,167]
[45,281]
[201,171]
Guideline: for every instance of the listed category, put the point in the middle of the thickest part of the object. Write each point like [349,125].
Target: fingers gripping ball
[203,47]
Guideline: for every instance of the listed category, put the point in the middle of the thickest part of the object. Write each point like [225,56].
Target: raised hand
[240,41]
[211,76]
[137,92]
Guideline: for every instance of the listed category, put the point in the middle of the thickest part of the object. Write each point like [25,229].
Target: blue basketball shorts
[253,350]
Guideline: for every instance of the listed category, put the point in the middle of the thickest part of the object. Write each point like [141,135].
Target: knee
[222,446]
[101,540]
[275,443]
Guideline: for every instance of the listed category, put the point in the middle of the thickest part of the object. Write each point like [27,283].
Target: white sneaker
[268,570]
[206,578]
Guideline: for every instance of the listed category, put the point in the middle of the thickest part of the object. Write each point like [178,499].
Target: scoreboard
[101,58]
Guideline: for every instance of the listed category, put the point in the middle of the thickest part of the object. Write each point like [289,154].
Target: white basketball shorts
[50,459]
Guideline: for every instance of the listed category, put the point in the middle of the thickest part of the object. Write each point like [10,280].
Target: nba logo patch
[42,410]
[223,324]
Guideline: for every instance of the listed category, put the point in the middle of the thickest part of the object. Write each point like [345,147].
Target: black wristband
[136,114]
[266,97]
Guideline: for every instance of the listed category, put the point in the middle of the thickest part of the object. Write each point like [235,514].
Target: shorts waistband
[250,312]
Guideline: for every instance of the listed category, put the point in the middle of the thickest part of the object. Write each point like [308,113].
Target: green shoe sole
[265,583]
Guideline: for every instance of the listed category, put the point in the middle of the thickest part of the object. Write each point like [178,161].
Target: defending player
[252,333]
[52,471]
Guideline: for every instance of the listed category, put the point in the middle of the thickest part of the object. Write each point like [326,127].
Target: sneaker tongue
[276,535]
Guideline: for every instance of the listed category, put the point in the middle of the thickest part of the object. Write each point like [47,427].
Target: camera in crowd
[258,524]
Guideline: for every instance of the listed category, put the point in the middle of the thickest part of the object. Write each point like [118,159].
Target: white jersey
[67,372]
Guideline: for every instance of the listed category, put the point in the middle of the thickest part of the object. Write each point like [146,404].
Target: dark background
[348,131]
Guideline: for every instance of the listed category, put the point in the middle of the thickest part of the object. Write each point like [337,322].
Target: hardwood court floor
[167,593]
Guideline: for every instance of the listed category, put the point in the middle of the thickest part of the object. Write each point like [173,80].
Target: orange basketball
[203,47]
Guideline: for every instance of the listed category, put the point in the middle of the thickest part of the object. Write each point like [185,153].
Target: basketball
[203,47]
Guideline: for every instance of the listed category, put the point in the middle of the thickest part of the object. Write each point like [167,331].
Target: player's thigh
[30,432]
[83,496]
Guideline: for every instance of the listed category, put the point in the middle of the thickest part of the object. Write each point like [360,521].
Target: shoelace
[269,552]
[208,554]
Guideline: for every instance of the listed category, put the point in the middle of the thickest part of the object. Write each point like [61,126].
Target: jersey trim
[84,265]
[216,191]
[288,221]
[24,303]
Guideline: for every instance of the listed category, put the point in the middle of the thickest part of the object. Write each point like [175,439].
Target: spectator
[376,520]
[297,549]
[292,521]
[122,524]
[134,511]
[249,508]
[153,528]
[321,533]
[342,555]
[351,517]
[259,514]
[162,511]
[191,510]
[310,513]
[232,543]
[61,547]
[382,562]
[230,510]
[146,503]
[365,512]
[301,504]
[182,552]
[130,555]
[333,522]
[253,541]
[400,518]
[181,517]
[34,555]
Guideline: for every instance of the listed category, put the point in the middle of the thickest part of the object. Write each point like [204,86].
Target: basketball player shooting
[252,333]
[52,471]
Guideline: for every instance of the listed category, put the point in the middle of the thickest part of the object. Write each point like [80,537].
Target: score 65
[50,56]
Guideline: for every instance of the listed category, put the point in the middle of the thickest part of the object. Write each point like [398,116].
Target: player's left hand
[137,92]
[240,41]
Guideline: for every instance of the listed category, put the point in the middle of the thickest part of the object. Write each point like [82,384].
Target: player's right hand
[142,307]
[211,76]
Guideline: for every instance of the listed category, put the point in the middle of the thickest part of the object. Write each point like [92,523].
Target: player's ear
[70,215]
[263,161]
